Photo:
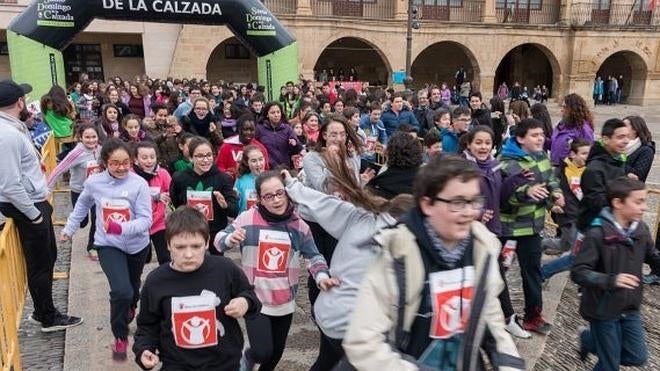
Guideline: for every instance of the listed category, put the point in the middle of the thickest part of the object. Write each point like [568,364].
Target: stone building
[563,44]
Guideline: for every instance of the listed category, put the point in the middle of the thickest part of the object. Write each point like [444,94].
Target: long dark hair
[243,165]
[576,112]
[540,112]
[638,124]
[56,100]
[268,106]
[112,145]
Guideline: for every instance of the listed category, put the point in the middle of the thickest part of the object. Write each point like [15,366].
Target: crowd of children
[367,188]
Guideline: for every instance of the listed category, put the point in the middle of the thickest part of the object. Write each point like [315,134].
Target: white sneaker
[514,328]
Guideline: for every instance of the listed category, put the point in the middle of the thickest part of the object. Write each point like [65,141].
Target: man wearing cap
[23,197]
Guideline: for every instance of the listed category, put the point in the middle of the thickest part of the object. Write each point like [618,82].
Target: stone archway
[529,64]
[633,68]
[427,68]
[232,61]
[346,52]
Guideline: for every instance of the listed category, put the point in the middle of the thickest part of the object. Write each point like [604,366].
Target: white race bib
[451,297]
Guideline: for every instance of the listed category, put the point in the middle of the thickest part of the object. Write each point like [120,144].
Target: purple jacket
[276,141]
[147,103]
[562,137]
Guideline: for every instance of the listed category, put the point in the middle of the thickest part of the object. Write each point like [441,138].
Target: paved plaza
[87,347]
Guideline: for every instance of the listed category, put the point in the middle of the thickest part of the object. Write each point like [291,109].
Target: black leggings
[160,245]
[330,353]
[260,329]
[83,224]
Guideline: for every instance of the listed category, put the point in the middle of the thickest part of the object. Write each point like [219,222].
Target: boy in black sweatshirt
[609,269]
[189,307]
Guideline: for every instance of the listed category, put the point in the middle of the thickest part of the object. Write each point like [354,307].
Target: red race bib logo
[115,210]
[451,296]
[92,168]
[251,199]
[202,201]
[274,250]
[194,322]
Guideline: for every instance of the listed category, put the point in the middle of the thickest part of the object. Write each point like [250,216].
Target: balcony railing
[529,12]
[451,10]
[375,9]
[281,6]
[585,14]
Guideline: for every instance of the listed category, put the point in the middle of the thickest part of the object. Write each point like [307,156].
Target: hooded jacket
[481,116]
[607,250]
[393,182]
[601,166]
[562,137]
[391,120]
[381,321]
[521,215]
[212,180]
[639,162]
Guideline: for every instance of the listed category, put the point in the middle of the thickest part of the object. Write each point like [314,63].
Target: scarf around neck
[274,218]
[633,146]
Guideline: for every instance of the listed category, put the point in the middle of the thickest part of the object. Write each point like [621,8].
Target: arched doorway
[439,62]
[632,68]
[349,52]
[232,61]
[530,65]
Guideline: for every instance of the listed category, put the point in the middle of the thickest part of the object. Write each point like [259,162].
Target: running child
[132,130]
[251,166]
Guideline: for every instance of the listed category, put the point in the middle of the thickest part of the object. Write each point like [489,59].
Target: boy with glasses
[460,119]
[523,211]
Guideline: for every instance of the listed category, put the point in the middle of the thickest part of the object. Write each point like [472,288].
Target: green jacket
[520,215]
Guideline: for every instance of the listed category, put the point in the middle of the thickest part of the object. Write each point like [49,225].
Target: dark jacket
[392,182]
[601,166]
[212,180]
[392,121]
[640,161]
[481,117]
[421,114]
[276,140]
[606,251]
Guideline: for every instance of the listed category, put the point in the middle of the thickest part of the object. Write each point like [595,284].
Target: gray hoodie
[22,182]
[354,229]
[317,174]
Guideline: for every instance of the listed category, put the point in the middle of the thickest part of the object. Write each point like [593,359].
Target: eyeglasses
[460,204]
[207,156]
[271,196]
[114,164]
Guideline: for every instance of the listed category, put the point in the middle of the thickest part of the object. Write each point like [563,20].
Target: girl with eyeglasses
[201,121]
[205,187]
[123,219]
[271,237]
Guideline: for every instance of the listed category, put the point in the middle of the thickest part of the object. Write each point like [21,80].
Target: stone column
[565,7]
[487,85]
[304,7]
[400,9]
[488,13]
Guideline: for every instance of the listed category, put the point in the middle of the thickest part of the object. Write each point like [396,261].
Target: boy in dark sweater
[609,270]
[606,161]
[188,308]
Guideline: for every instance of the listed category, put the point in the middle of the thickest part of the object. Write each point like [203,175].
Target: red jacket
[230,154]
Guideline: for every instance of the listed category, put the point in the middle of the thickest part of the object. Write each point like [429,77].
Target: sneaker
[33,318]
[60,322]
[246,363]
[119,350]
[93,255]
[582,352]
[551,246]
[537,324]
[651,279]
[131,315]
[513,327]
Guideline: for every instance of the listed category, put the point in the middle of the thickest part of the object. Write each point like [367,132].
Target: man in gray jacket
[23,197]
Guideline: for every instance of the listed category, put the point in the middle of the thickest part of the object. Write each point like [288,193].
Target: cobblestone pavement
[89,342]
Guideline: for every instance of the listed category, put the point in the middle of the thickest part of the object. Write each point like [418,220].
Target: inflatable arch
[38,35]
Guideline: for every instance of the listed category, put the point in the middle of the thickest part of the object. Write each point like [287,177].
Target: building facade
[563,44]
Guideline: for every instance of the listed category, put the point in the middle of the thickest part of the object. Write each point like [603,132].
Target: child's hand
[626,281]
[237,307]
[528,174]
[538,192]
[64,237]
[559,200]
[149,359]
[165,198]
[220,199]
[293,142]
[237,237]
[368,175]
[487,216]
[633,176]
[557,210]
[286,176]
[328,283]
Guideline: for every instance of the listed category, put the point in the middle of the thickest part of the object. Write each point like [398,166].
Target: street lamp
[413,23]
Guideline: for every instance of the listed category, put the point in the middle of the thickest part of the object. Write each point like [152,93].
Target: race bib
[575,187]
[371,144]
[117,210]
[155,193]
[274,250]
[92,167]
[194,321]
[202,201]
[251,199]
[451,297]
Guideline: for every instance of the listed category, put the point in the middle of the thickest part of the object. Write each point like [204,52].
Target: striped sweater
[269,265]
[82,162]
[520,215]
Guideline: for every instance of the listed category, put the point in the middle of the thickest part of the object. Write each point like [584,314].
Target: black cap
[11,91]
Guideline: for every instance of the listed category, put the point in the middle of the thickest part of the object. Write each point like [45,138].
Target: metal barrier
[13,280]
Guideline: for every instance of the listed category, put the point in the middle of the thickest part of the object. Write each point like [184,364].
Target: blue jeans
[617,342]
[561,264]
